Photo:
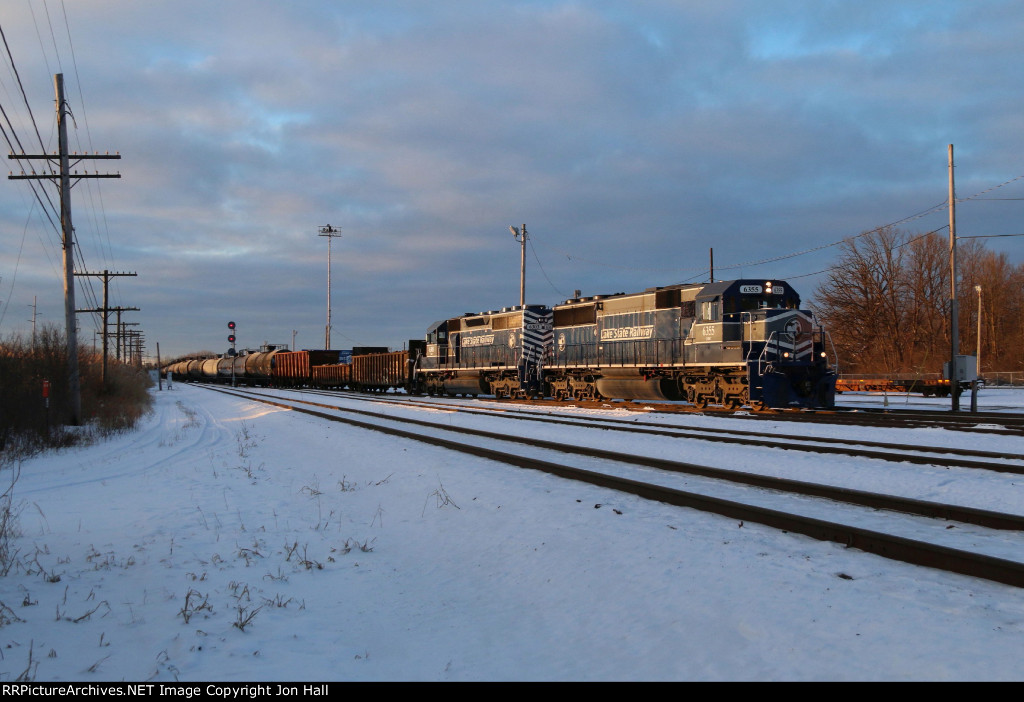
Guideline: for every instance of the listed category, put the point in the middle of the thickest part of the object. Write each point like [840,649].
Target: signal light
[231,338]
[231,325]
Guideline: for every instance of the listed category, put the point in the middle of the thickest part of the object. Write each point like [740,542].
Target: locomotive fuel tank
[628,384]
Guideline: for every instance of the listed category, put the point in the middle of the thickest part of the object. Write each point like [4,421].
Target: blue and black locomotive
[732,343]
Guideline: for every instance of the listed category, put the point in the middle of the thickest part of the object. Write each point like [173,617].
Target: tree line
[885,304]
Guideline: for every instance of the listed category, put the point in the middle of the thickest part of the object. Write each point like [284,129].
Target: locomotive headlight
[785,354]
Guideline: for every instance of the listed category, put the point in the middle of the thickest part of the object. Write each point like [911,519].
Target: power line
[22,87]
[541,267]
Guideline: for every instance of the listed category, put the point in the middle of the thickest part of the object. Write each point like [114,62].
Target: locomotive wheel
[700,401]
[733,403]
[758,406]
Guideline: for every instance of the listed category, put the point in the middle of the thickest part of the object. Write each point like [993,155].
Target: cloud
[630,138]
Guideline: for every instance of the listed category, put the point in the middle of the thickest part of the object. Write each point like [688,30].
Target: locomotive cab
[787,363]
[437,344]
[764,350]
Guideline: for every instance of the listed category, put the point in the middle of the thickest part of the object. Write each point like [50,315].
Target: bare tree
[1002,314]
[886,303]
[862,301]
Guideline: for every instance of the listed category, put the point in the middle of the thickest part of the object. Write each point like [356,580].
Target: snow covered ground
[229,541]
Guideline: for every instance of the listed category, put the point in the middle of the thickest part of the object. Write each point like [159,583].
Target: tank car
[731,343]
[499,352]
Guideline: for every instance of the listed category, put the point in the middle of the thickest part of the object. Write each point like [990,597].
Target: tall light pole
[954,317]
[521,236]
[977,289]
[331,233]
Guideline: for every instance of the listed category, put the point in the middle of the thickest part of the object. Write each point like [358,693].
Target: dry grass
[29,424]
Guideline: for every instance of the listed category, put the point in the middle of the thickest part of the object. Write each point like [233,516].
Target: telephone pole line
[105,310]
[119,335]
[62,176]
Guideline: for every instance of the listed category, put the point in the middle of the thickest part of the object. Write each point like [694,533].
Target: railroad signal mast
[231,352]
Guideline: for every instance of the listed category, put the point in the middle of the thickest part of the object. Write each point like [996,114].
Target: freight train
[730,343]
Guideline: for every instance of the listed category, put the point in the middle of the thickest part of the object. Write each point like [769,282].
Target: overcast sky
[629,137]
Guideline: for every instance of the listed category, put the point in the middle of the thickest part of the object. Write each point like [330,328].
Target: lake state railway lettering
[645,332]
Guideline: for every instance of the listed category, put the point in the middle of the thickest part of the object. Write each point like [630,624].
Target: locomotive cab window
[709,311]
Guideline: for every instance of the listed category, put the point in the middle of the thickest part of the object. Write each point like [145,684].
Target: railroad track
[944,457]
[973,422]
[621,472]
[995,423]
[1009,424]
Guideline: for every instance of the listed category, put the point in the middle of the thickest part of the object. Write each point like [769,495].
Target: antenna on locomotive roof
[711,253]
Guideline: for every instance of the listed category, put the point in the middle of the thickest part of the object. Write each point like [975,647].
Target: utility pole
[331,233]
[106,327]
[63,176]
[521,236]
[105,310]
[126,339]
[34,311]
[119,327]
[954,316]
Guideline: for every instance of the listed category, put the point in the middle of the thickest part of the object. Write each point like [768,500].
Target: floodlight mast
[331,233]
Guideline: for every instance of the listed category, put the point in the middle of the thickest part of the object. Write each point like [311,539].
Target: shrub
[27,424]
